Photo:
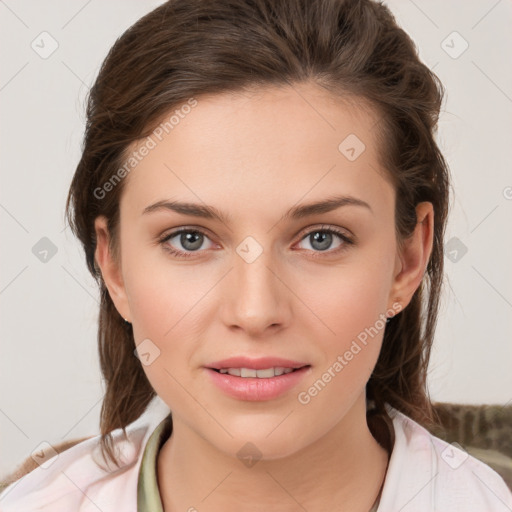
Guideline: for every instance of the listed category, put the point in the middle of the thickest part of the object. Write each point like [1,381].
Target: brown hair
[187,48]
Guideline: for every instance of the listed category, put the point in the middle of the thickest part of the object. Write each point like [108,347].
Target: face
[262,281]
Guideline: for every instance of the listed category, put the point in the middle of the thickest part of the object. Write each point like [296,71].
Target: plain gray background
[49,374]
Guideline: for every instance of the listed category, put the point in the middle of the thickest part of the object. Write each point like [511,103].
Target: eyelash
[180,254]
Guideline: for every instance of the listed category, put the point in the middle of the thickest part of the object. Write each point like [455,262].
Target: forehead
[259,148]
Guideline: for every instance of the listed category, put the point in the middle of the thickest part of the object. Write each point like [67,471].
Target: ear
[412,260]
[110,268]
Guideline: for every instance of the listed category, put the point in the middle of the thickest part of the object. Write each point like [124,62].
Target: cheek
[347,302]
[165,324]
[348,328]
[163,296]
[168,304]
[350,338]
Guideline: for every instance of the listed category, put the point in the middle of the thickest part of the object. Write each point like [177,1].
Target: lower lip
[254,388]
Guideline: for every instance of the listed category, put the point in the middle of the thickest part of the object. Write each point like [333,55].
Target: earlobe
[415,256]
[110,268]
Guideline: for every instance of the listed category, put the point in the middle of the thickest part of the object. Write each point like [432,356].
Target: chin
[260,446]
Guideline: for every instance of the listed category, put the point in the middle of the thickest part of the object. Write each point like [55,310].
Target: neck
[342,470]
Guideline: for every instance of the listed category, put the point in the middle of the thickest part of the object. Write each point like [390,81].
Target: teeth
[260,374]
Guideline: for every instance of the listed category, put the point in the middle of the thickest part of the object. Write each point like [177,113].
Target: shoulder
[80,478]
[427,473]
[29,464]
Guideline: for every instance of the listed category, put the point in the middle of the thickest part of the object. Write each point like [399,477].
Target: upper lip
[259,363]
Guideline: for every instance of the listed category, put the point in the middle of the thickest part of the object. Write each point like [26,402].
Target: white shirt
[425,474]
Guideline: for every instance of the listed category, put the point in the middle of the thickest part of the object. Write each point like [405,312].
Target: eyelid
[169,233]
[303,231]
[325,227]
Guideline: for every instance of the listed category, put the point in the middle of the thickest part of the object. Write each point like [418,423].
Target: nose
[256,297]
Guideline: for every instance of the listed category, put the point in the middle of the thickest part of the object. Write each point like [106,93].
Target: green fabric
[148,495]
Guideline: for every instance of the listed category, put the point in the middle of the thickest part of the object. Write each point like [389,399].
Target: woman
[262,201]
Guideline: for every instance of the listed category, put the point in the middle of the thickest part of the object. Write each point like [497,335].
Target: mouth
[265,373]
[250,384]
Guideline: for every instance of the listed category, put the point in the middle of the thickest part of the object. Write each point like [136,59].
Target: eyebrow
[296,212]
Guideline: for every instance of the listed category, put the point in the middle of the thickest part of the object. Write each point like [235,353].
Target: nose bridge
[256,296]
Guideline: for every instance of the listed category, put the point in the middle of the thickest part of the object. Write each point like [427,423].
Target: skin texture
[254,156]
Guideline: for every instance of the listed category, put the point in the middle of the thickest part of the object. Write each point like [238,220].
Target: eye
[190,239]
[321,239]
